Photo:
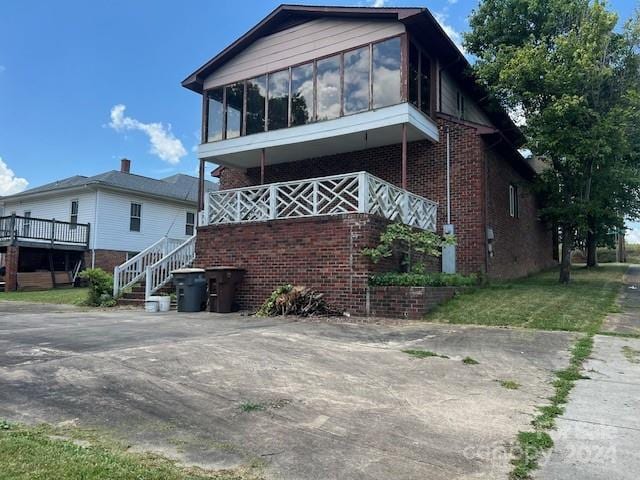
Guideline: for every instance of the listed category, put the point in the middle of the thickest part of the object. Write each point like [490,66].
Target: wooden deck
[43,233]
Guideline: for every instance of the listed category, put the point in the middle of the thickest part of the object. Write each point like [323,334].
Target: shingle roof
[177,187]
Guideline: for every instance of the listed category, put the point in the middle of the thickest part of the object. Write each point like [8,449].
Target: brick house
[326,124]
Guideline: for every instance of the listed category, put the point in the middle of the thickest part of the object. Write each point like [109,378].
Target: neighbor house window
[74,214]
[278,100]
[256,104]
[215,119]
[26,226]
[235,99]
[328,79]
[386,73]
[513,201]
[356,80]
[136,215]
[190,224]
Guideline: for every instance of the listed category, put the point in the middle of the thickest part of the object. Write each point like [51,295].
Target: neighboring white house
[125,213]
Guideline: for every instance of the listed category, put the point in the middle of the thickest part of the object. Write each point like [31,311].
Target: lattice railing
[358,192]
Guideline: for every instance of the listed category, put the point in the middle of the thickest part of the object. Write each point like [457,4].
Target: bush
[423,280]
[100,287]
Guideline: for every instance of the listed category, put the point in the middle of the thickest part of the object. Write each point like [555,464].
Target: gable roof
[419,22]
[176,187]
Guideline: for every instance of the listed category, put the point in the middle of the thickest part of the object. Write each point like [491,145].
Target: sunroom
[371,95]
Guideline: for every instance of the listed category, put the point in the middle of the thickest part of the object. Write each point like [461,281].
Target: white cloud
[449,30]
[9,183]
[378,3]
[452,2]
[163,143]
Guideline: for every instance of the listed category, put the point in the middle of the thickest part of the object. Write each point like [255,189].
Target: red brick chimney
[125,165]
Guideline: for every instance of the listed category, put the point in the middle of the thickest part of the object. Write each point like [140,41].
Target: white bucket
[164,303]
[151,306]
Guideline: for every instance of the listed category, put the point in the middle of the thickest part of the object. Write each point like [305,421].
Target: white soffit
[360,131]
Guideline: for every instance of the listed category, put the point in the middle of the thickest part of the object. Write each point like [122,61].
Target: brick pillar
[11,275]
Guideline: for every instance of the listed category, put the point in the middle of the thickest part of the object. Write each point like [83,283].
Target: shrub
[422,280]
[100,287]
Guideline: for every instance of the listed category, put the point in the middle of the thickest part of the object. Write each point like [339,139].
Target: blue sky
[85,83]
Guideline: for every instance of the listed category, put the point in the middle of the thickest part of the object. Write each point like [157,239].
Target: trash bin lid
[187,270]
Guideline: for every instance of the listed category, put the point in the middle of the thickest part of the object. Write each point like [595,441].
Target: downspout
[448,175]
[95,229]
[448,251]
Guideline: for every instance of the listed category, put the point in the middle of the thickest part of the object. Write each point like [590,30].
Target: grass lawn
[540,301]
[43,453]
[72,296]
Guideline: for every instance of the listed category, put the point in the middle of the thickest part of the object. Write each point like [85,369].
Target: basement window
[513,201]
[136,215]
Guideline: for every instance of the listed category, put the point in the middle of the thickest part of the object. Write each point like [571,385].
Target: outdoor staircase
[149,272]
[135,297]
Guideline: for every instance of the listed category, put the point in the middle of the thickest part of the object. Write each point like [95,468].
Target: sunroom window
[216,113]
[356,80]
[386,73]
[256,104]
[278,100]
[328,78]
[302,94]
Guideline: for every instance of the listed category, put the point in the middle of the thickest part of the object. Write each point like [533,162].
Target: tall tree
[562,64]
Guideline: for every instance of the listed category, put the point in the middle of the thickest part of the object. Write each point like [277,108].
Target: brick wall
[320,252]
[521,245]
[407,302]
[11,264]
[105,259]
[426,168]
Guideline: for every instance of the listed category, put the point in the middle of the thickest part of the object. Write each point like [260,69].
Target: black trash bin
[222,283]
[191,289]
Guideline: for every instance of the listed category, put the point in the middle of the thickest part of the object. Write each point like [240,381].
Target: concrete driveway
[336,401]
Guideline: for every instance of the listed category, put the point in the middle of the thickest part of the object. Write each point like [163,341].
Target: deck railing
[44,231]
[132,271]
[358,192]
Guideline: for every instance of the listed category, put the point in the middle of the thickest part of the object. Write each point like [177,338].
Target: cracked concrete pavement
[342,401]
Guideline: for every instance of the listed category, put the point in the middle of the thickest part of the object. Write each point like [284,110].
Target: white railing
[358,192]
[132,271]
[158,274]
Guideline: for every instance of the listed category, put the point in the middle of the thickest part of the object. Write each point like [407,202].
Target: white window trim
[139,217]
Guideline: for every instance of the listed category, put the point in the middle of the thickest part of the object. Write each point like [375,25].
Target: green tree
[575,79]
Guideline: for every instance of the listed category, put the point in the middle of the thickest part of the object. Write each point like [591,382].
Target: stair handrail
[159,274]
[132,271]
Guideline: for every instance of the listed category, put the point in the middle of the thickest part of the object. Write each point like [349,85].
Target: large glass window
[235,100]
[356,80]
[256,104]
[414,75]
[328,80]
[386,73]
[425,83]
[216,111]
[278,100]
[302,94]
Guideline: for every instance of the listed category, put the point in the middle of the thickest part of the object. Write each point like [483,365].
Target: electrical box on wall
[448,252]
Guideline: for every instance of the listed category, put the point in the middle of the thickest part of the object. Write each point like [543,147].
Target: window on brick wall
[513,201]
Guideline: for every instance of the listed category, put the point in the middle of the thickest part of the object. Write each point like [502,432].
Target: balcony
[43,233]
[358,192]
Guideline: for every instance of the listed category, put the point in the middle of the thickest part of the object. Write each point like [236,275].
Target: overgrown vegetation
[509,384]
[298,300]
[251,407]
[470,361]
[539,302]
[532,445]
[423,354]
[423,280]
[44,452]
[631,354]
[413,245]
[69,296]
[100,287]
